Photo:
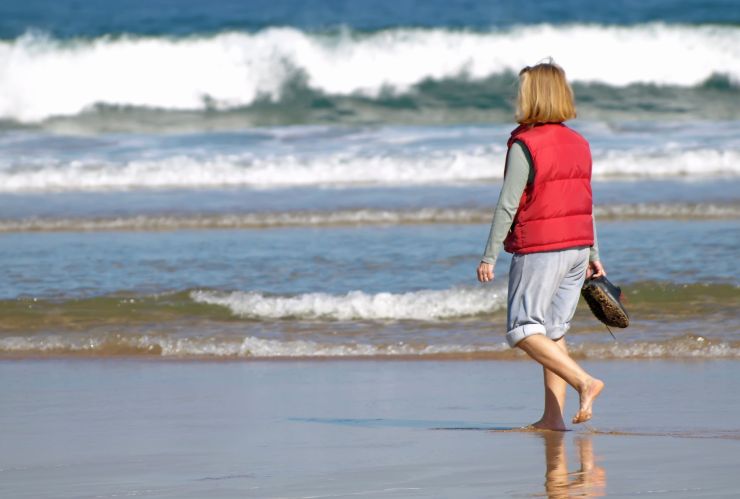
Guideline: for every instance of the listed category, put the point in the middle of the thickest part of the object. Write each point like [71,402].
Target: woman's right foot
[591,390]
[552,425]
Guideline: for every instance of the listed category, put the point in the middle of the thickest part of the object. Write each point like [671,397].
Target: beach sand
[360,428]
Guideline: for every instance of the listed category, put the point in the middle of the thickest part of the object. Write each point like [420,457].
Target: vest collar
[523,128]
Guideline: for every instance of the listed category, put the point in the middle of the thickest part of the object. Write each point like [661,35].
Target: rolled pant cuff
[557,332]
[520,332]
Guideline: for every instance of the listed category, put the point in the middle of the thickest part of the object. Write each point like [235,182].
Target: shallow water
[337,291]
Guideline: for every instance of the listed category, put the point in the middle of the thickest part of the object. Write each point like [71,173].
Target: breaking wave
[426,305]
[45,77]
[338,169]
[414,305]
[464,322]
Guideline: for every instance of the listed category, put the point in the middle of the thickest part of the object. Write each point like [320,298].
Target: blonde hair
[544,95]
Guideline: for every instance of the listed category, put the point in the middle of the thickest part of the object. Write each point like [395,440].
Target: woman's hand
[485,272]
[595,269]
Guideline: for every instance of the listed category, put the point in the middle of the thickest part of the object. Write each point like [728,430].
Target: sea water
[273,180]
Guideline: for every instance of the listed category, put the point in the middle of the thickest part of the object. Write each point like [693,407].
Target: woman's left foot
[588,395]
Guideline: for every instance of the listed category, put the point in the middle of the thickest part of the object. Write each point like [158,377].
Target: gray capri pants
[543,292]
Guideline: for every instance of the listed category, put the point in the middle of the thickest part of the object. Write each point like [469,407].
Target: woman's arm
[593,255]
[595,268]
[518,173]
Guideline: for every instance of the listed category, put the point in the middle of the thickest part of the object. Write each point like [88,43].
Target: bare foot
[588,395]
[543,424]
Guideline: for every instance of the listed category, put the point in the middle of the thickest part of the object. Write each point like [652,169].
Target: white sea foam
[44,77]
[415,305]
[687,347]
[209,347]
[250,170]
[265,348]
[663,163]
[339,169]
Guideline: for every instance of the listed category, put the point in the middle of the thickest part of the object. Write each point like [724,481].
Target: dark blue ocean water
[92,18]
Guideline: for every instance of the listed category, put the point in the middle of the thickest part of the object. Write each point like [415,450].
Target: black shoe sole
[604,302]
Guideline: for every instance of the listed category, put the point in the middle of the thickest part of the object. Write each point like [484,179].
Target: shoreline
[515,357]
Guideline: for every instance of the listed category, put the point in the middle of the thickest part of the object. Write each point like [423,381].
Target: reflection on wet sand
[588,481]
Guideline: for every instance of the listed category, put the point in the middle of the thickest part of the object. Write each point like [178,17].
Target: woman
[544,216]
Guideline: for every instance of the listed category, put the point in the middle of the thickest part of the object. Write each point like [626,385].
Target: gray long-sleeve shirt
[519,172]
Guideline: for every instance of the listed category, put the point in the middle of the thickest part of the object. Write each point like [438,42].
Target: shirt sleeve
[518,172]
[593,255]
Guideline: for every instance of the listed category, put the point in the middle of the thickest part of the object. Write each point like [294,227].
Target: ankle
[546,424]
[584,384]
[552,419]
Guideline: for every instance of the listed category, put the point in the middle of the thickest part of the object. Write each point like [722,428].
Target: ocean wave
[451,101]
[684,347]
[338,169]
[209,347]
[45,77]
[440,305]
[460,315]
[414,305]
[251,347]
[352,217]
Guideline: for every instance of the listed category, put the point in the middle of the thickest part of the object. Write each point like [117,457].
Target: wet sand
[112,428]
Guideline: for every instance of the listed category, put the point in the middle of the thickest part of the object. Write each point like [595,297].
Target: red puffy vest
[555,210]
